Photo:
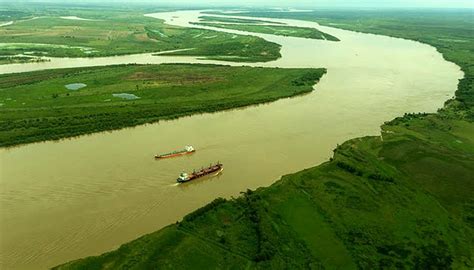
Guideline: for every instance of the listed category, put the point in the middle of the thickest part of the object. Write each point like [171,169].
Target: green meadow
[234,20]
[37,106]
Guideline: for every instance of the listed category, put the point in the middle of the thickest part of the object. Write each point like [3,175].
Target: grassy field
[403,200]
[280,30]
[106,33]
[235,20]
[36,106]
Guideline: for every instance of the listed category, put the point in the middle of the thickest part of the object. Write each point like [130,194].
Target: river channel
[83,196]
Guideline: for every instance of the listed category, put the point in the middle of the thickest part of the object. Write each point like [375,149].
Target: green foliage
[5,59]
[234,20]
[13,15]
[208,207]
[280,30]
[36,106]
[306,79]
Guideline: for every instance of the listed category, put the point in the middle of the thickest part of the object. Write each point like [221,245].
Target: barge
[213,169]
[186,151]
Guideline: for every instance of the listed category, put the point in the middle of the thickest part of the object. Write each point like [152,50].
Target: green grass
[280,30]
[403,200]
[20,59]
[235,20]
[118,33]
[147,252]
[36,106]
[299,212]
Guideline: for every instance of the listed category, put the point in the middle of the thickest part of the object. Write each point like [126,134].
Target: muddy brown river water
[83,196]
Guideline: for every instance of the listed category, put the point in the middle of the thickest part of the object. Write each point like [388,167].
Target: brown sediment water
[83,196]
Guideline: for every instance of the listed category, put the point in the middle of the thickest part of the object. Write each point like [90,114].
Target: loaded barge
[213,169]
[186,151]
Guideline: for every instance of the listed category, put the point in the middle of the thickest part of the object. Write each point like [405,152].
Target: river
[83,196]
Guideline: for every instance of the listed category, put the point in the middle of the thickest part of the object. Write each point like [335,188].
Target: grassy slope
[36,106]
[403,200]
[118,33]
[280,30]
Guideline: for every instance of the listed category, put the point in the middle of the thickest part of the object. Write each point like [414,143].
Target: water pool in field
[75,86]
[126,96]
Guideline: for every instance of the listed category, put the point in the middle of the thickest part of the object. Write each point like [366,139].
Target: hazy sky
[294,3]
[342,3]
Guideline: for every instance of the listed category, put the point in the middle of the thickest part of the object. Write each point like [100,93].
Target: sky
[293,3]
[346,3]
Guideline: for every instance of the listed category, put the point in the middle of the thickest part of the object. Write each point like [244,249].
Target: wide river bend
[83,196]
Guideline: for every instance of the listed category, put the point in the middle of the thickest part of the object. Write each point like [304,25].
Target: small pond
[75,86]
[126,96]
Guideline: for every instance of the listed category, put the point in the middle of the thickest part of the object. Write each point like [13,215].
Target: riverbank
[37,106]
[403,199]
[377,203]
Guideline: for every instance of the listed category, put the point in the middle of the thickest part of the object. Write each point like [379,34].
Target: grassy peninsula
[274,29]
[37,106]
[235,20]
[403,200]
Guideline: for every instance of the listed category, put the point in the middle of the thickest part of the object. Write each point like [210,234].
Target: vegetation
[106,33]
[13,15]
[403,200]
[235,20]
[20,59]
[280,30]
[36,106]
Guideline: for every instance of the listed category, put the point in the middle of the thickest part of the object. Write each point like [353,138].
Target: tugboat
[188,149]
[185,177]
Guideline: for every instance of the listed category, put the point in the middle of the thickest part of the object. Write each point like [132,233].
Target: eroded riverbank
[90,194]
